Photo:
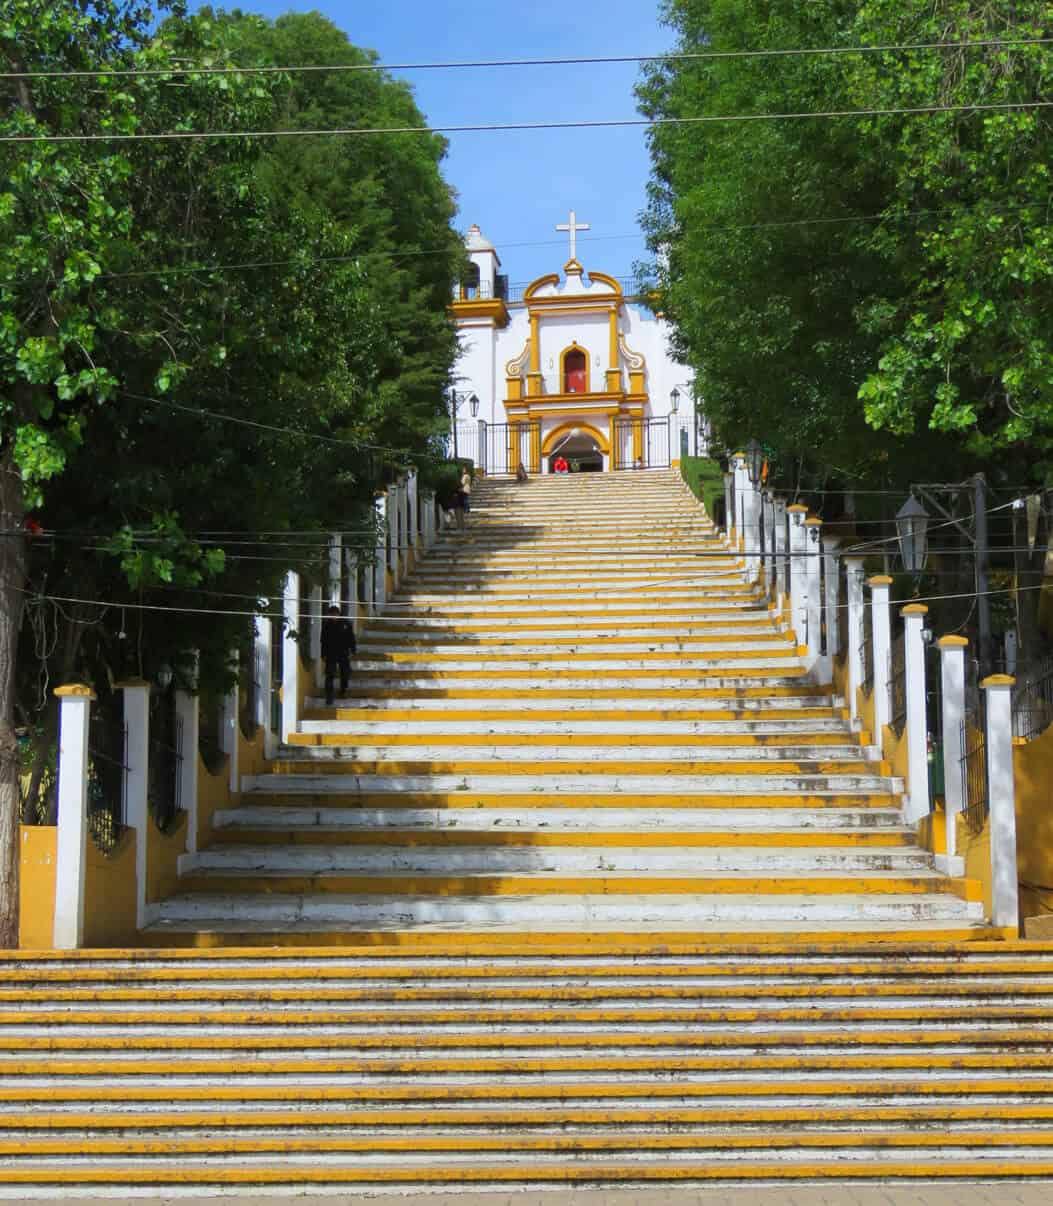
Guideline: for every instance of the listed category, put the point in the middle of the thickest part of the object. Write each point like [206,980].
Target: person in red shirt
[559,465]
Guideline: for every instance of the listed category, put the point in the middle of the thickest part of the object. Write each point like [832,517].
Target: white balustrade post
[336,577]
[412,511]
[917,728]
[770,566]
[729,508]
[137,782]
[742,490]
[380,561]
[290,655]
[264,671]
[782,569]
[952,695]
[350,607]
[402,526]
[429,519]
[228,724]
[831,567]
[391,528]
[856,603]
[188,725]
[813,579]
[1001,801]
[369,581]
[317,608]
[881,627]
[798,583]
[72,840]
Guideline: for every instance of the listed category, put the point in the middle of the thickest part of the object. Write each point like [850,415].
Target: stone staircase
[511,1065]
[585,884]
[578,717]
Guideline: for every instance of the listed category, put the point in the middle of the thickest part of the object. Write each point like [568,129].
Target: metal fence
[503,447]
[1033,701]
[842,608]
[107,772]
[866,648]
[165,761]
[974,767]
[898,683]
[640,444]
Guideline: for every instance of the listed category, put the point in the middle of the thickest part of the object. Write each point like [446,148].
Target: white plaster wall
[485,350]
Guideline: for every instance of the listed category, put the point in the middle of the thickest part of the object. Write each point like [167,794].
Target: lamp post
[912,526]
[456,398]
[755,462]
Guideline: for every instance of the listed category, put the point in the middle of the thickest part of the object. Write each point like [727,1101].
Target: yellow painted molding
[74,691]
[953,642]
[494,309]
[796,509]
[813,521]
[998,680]
[879,580]
[914,609]
[551,279]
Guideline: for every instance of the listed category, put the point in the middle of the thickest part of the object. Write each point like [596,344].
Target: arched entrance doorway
[582,447]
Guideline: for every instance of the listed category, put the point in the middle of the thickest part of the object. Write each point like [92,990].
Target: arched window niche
[574,370]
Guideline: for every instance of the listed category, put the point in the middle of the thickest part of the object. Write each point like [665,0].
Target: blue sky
[518,185]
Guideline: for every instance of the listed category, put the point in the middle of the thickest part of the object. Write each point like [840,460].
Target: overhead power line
[511,127]
[577,61]
[309,261]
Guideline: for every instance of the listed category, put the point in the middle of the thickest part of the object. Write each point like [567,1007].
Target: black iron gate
[640,443]
[506,446]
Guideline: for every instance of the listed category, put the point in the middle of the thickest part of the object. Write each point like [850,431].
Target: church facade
[572,371]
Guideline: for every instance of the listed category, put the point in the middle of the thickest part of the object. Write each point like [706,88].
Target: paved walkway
[999,1193]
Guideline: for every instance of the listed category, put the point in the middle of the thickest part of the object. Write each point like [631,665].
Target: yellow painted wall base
[1033,765]
[36,886]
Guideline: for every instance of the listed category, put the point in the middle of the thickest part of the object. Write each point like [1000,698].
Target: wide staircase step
[525,1062]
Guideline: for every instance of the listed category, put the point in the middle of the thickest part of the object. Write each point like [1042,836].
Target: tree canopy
[210,350]
[871,296]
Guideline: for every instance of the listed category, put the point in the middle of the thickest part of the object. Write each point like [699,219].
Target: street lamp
[754,461]
[912,524]
[473,403]
[674,401]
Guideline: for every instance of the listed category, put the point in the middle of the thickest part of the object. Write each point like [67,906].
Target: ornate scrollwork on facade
[635,361]
[517,367]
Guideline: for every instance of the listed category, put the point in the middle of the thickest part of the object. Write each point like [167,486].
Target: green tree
[841,284]
[192,356]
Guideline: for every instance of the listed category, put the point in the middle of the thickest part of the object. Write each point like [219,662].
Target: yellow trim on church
[565,429]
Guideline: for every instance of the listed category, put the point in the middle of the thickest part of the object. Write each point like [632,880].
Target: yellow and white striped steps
[519,1062]
[543,733]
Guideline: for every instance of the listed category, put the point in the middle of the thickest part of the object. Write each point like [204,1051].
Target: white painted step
[571,819]
[560,782]
[559,757]
[359,730]
[558,860]
[556,913]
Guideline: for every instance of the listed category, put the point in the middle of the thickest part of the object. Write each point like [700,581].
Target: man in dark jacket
[338,643]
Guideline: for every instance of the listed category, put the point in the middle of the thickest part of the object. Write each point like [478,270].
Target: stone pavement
[994,1193]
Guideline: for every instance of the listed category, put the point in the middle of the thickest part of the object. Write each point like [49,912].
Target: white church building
[571,367]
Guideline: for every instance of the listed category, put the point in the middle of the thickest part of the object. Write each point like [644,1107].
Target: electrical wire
[510,127]
[308,261]
[577,61]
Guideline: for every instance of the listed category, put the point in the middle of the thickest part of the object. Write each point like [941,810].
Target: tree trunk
[12,582]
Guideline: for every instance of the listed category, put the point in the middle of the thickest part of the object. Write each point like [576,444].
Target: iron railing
[107,793]
[866,649]
[640,444]
[1033,701]
[974,768]
[898,684]
[842,608]
[165,762]
[506,446]
[252,670]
